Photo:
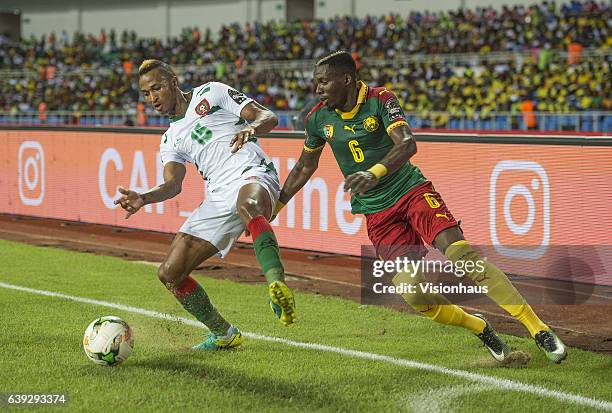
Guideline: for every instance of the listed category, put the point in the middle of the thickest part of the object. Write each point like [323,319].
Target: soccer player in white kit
[213,127]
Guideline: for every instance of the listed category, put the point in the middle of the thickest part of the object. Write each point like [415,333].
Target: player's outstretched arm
[261,120]
[404,148]
[299,175]
[132,201]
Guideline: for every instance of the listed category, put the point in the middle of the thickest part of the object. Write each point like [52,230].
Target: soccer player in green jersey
[372,143]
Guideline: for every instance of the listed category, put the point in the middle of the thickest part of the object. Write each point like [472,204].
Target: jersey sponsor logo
[328,130]
[370,124]
[350,128]
[236,96]
[203,108]
[394,110]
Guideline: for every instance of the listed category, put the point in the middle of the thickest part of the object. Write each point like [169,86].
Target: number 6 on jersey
[356,151]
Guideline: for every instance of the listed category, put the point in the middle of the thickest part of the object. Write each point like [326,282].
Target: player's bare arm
[404,148]
[132,201]
[261,120]
[300,174]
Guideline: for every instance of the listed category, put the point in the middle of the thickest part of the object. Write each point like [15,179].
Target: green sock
[266,249]
[194,299]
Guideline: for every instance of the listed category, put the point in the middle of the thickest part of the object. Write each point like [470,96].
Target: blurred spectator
[141,117]
[128,66]
[574,53]
[42,112]
[529,117]
[483,30]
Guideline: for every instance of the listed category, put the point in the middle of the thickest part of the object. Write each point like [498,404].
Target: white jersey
[202,135]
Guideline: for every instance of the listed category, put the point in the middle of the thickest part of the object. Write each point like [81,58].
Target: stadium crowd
[91,72]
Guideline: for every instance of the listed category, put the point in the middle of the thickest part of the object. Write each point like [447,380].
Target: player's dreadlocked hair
[341,61]
[151,64]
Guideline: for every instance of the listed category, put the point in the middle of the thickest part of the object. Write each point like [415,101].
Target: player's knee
[170,274]
[461,251]
[467,260]
[250,207]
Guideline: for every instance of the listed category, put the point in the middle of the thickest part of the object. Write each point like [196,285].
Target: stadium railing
[100,118]
[502,121]
[588,121]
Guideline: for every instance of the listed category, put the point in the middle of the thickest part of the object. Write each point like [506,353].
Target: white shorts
[216,220]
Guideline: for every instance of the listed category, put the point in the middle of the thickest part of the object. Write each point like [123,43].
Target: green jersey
[360,139]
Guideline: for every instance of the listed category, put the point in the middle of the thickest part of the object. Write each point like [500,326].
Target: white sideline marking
[499,383]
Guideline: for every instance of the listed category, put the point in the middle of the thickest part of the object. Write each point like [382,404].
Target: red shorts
[418,216]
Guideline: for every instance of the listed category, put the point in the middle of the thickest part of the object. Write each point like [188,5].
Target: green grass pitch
[40,351]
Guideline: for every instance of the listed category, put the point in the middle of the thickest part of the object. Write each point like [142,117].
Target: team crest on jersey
[328,130]
[370,124]
[203,107]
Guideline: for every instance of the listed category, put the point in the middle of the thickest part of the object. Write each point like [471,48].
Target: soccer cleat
[233,338]
[496,346]
[282,302]
[551,345]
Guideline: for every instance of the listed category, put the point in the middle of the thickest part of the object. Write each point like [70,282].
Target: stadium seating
[96,73]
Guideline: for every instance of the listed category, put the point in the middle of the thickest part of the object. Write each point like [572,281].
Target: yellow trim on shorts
[395,125]
[310,150]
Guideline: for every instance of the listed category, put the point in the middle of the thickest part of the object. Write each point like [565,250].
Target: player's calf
[254,208]
[268,254]
[194,299]
[439,309]
[266,249]
[501,290]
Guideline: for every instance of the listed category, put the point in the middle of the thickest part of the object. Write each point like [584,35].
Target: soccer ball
[108,341]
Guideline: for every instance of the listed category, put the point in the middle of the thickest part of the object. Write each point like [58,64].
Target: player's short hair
[341,61]
[151,64]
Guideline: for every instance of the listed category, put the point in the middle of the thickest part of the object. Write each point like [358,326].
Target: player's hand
[129,200]
[241,138]
[360,182]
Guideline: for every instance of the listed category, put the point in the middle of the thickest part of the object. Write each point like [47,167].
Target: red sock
[186,288]
[266,249]
[258,225]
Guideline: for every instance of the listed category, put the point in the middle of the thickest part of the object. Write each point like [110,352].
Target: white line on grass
[499,383]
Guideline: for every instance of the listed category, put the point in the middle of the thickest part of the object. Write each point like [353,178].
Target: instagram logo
[31,160]
[519,209]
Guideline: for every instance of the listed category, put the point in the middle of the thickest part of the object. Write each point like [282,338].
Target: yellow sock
[525,314]
[453,315]
[436,306]
[499,287]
